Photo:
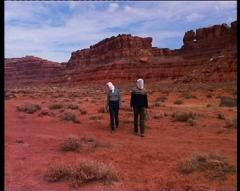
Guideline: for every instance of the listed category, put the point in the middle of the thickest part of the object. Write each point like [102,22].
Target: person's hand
[106,108]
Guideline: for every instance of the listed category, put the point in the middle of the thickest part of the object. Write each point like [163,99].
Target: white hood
[111,86]
[140,84]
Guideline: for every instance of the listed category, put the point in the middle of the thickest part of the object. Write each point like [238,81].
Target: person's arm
[131,100]
[119,98]
[107,101]
[146,101]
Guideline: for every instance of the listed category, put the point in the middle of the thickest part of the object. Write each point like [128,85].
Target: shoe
[142,135]
[135,133]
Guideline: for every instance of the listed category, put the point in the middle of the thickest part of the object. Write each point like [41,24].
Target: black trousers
[114,109]
[139,111]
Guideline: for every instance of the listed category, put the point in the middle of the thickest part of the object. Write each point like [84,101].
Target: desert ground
[190,141]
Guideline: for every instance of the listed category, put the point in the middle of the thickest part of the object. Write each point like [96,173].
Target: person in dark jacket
[113,103]
[139,102]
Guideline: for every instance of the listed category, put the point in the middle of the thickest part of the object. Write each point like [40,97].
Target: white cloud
[89,22]
[194,17]
[113,7]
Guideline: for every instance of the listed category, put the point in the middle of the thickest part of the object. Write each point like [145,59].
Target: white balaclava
[110,86]
[140,83]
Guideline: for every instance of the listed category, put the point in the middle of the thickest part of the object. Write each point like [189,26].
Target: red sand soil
[149,163]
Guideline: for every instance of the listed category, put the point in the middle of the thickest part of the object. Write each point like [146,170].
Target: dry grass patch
[102,110]
[92,171]
[220,116]
[68,116]
[215,166]
[46,113]
[57,172]
[161,99]
[9,96]
[231,124]
[29,108]
[73,106]
[188,95]
[178,102]
[82,173]
[55,106]
[94,117]
[83,111]
[228,102]
[183,116]
[71,144]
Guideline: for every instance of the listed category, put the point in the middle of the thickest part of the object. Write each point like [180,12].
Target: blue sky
[53,29]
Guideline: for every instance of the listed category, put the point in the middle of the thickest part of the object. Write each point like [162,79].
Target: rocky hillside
[207,55]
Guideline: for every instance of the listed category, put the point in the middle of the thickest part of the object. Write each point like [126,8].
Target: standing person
[113,103]
[139,102]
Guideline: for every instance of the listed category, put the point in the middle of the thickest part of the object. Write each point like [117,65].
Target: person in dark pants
[113,103]
[139,102]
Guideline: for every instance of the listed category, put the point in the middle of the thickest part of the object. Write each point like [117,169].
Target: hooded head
[140,84]
[110,86]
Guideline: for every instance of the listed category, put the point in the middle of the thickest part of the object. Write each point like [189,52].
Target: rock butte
[207,55]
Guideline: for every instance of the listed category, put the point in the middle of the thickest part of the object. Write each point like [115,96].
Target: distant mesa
[207,55]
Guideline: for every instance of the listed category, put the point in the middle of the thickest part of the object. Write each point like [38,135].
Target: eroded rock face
[112,49]
[208,55]
[216,36]
[30,70]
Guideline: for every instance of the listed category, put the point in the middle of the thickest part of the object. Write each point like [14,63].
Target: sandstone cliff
[208,55]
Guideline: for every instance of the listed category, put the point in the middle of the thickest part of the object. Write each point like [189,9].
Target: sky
[53,29]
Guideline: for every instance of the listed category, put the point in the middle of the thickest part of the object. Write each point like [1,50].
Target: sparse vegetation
[71,144]
[91,171]
[159,104]
[73,106]
[94,117]
[228,102]
[220,116]
[231,124]
[178,102]
[161,99]
[68,116]
[102,110]
[188,95]
[81,173]
[29,108]
[83,111]
[191,122]
[209,95]
[55,106]
[57,172]
[157,116]
[183,116]
[214,165]
[9,96]
[46,112]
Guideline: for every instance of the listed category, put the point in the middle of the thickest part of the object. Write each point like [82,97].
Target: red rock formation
[208,55]
[29,70]
[217,36]
[112,49]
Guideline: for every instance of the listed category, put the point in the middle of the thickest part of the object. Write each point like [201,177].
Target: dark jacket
[139,98]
